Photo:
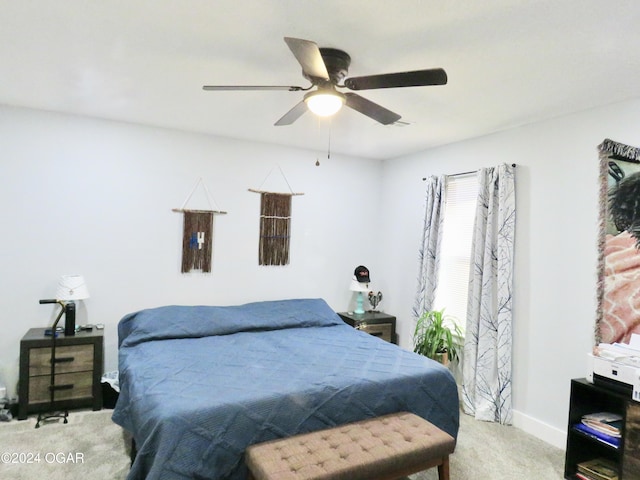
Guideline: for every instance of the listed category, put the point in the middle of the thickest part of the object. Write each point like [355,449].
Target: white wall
[556,246]
[95,197]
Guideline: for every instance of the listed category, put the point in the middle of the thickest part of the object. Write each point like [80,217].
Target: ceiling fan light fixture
[324,103]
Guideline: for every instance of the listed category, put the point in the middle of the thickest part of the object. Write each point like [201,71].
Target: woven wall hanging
[275,225]
[197,235]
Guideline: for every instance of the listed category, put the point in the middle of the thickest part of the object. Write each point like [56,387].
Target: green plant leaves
[432,336]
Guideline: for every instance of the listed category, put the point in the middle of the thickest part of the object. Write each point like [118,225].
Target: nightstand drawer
[78,365]
[381,330]
[75,358]
[69,386]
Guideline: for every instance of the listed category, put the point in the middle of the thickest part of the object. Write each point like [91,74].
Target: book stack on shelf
[597,469]
[605,427]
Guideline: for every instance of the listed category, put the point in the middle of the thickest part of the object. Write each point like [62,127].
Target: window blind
[459,212]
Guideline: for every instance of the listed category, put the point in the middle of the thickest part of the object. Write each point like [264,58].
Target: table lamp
[360,283]
[71,288]
[360,288]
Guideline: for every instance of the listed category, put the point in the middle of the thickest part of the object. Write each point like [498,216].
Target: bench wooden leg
[443,469]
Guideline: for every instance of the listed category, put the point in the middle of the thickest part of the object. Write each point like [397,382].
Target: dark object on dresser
[70,319]
[78,369]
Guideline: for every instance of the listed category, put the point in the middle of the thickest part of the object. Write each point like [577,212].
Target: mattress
[198,384]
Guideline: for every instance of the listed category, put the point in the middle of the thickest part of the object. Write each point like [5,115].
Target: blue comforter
[200,384]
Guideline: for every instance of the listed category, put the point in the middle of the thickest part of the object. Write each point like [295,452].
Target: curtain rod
[463,173]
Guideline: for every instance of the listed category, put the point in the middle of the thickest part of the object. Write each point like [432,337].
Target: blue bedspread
[200,384]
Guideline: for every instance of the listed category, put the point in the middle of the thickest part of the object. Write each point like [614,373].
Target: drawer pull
[67,386]
[376,334]
[64,360]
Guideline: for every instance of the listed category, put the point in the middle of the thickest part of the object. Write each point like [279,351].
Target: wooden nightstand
[375,323]
[79,364]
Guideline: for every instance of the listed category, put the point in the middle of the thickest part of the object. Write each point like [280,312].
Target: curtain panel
[488,341]
[428,258]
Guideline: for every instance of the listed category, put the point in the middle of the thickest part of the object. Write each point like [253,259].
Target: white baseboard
[541,430]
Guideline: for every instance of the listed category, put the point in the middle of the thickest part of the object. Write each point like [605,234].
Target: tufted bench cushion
[387,447]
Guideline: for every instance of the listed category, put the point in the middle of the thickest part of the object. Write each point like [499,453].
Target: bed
[198,384]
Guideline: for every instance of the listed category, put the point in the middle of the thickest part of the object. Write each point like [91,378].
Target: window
[461,194]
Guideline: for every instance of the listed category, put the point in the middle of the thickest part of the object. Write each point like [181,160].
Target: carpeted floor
[489,451]
[92,446]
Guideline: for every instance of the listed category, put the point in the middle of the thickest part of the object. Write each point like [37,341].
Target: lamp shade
[324,102]
[72,287]
[356,286]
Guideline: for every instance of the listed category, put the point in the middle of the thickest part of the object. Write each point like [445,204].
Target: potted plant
[437,336]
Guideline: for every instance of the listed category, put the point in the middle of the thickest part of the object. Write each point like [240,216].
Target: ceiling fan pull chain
[329,145]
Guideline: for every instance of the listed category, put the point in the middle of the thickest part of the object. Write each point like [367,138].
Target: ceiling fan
[325,68]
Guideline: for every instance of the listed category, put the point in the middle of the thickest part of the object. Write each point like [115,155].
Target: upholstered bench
[387,447]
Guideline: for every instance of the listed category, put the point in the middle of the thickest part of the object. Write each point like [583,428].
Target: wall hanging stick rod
[210,199]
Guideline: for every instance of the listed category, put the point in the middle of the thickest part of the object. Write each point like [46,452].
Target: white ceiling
[509,63]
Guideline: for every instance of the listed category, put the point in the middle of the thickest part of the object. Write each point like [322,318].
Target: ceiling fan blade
[251,87]
[308,55]
[370,109]
[292,115]
[416,78]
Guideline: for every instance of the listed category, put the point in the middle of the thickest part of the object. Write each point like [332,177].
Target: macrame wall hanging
[197,236]
[275,225]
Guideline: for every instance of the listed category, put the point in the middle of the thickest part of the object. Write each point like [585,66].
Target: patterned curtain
[429,262]
[487,350]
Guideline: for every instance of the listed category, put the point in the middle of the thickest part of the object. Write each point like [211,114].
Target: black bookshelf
[589,398]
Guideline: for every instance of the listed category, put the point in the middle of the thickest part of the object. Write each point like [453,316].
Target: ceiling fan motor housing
[337,63]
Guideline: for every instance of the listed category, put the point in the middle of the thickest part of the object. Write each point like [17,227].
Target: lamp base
[359,304]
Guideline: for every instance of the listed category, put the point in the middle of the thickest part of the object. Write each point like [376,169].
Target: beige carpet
[489,451]
[91,446]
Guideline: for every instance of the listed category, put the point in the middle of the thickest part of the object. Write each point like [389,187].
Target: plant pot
[442,358]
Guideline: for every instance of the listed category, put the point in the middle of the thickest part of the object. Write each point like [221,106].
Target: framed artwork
[618,313]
